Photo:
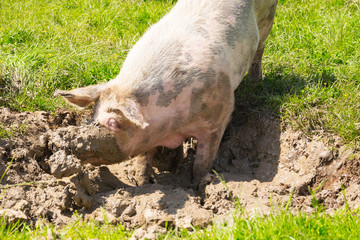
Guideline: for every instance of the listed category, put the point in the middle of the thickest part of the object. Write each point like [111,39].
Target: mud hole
[51,175]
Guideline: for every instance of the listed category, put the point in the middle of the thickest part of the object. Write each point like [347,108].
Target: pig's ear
[132,112]
[81,97]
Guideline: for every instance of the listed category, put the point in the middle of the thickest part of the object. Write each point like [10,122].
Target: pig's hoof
[151,174]
[203,182]
[152,179]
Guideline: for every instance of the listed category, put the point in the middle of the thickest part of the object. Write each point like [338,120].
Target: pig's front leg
[207,146]
[143,172]
[151,176]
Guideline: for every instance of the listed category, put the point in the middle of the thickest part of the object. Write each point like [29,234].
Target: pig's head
[120,114]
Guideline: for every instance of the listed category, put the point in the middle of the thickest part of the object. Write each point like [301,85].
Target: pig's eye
[113,125]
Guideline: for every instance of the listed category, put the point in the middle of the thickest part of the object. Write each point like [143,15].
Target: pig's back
[204,33]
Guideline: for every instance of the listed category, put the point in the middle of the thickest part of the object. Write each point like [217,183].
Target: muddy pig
[178,81]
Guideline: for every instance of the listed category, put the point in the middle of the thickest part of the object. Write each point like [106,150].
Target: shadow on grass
[269,93]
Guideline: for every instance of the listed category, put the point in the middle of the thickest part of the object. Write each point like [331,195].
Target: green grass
[5,133]
[12,131]
[341,225]
[312,67]
[74,230]
[45,45]
[280,225]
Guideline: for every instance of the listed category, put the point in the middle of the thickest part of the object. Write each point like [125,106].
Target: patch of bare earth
[54,172]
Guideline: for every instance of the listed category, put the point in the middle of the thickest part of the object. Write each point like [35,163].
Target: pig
[178,80]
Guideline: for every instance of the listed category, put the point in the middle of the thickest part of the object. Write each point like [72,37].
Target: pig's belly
[172,141]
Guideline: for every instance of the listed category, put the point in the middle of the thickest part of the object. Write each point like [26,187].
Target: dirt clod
[90,143]
[55,167]
[11,216]
[63,165]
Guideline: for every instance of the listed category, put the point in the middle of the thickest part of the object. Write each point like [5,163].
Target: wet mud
[53,165]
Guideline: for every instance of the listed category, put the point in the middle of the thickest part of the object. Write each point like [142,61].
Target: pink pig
[179,79]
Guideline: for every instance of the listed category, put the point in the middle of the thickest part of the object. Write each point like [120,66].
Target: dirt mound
[50,175]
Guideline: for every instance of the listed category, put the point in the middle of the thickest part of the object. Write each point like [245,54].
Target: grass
[330,58]
[45,45]
[75,230]
[311,79]
[283,225]
[5,133]
[311,66]
[8,132]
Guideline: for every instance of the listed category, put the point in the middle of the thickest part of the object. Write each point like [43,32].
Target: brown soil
[53,173]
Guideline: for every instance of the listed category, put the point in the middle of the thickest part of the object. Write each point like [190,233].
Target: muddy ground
[261,160]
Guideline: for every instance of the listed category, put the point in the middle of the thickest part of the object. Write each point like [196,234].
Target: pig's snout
[113,125]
